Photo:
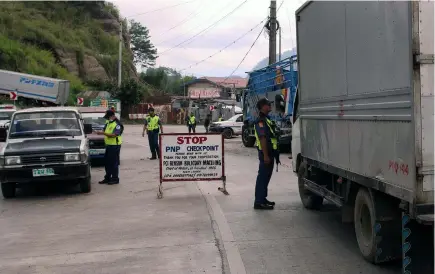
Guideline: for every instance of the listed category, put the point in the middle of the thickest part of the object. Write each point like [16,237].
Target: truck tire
[364,222]
[308,198]
[248,141]
[9,190]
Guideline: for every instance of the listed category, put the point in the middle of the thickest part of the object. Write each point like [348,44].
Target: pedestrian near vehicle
[220,119]
[207,122]
[113,140]
[112,108]
[191,123]
[152,127]
[267,144]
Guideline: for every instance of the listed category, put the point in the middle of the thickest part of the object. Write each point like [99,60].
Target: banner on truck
[192,157]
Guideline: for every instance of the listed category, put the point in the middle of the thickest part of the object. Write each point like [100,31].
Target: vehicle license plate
[95,152]
[43,172]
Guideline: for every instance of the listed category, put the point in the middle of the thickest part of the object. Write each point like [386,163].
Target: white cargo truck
[34,87]
[363,121]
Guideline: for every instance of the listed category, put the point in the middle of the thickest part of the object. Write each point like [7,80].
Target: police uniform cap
[108,114]
[262,102]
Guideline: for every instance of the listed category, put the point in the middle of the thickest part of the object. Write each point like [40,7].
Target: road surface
[194,229]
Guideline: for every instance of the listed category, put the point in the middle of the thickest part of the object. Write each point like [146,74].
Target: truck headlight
[13,160]
[72,157]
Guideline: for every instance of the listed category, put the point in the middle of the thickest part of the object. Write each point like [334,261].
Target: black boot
[263,206]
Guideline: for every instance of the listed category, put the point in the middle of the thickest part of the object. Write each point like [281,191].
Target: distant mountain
[265,61]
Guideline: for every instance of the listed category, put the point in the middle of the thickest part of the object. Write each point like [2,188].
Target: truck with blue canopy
[276,82]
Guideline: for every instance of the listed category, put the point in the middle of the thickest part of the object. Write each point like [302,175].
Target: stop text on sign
[188,140]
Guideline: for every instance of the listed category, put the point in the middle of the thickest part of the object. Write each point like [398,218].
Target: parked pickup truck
[94,116]
[45,144]
[363,132]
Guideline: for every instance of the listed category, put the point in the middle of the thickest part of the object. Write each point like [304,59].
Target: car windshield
[234,118]
[45,124]
[5,115]
[95,119]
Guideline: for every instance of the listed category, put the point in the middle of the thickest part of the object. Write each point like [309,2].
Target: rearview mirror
[88,128]
[3,134]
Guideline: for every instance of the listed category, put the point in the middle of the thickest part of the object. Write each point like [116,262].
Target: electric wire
[212,25]
[160,9]
[186,32]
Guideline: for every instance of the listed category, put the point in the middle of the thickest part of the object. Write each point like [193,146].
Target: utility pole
[272,33]
[280,52]
[120,55]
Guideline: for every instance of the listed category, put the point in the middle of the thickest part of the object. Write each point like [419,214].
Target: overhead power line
[249,50]
[189,17]
[244,57]
[164,8]
[227,46]
[212,25]
[173,38]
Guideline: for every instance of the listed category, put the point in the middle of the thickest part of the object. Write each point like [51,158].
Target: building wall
[205,90]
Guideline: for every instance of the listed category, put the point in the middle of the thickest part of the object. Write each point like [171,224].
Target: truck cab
[45,144]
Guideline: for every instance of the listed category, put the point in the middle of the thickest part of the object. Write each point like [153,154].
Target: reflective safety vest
[153,122]
[192,120]
[273,138]
[220,119]
[112,141]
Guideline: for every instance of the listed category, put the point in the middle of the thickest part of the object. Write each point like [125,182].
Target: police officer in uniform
[113,141]
[191,123]
[152,126]
[267,144]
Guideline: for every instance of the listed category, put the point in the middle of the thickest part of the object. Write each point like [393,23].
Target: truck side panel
[30,86]
[426,50]
[356,82]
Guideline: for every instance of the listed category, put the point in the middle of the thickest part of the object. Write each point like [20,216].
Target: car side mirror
[3,134]
[88,128]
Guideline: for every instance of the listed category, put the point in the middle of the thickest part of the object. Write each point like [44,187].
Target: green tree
[144,52]
[130,93]
[166,79]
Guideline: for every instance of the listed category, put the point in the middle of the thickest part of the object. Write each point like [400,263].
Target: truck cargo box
[34,87]
[366,102]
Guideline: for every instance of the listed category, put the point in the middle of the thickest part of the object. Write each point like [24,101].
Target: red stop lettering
[188,140]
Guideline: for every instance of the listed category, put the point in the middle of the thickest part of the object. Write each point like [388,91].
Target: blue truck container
[278,83]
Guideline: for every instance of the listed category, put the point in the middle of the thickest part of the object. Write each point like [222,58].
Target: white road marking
[235,262]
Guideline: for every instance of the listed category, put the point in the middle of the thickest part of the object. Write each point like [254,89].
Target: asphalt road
[194,229]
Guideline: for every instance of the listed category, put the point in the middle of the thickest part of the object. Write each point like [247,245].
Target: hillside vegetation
[76,41]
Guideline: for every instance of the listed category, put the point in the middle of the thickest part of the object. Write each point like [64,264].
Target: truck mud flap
[417,247]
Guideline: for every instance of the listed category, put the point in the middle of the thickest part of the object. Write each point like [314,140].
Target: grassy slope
[30,30]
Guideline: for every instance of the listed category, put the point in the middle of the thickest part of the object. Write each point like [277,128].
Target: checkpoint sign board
[191,157]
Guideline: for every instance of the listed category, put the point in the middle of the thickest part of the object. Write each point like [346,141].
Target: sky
[171,26]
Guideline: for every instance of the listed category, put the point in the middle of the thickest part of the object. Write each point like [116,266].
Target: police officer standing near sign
[152,126]
[267,143]
[191,123]
[113,140]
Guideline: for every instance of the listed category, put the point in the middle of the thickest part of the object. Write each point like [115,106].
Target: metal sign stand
[222,189]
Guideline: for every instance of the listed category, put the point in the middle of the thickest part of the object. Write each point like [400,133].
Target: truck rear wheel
[364,222]
[308,198]
[9,190]
[248,141]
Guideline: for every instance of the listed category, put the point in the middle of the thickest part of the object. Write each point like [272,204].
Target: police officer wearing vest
[267,144]
[191,123]
[152,126]
[113,141]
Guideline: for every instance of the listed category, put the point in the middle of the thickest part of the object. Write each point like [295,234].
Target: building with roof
[215,87]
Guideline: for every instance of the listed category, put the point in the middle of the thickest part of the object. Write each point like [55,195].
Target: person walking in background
[207,122]
[153,126]
[192,123]
[220,119]
[113,140]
